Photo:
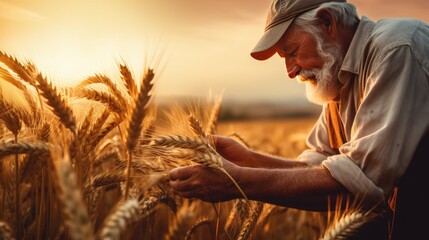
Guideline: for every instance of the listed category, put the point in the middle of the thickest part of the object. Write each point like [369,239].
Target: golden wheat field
[91,162]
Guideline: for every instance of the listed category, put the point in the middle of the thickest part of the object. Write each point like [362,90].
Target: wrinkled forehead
[290,36]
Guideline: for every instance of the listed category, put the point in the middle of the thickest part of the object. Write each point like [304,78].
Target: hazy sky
[197,46]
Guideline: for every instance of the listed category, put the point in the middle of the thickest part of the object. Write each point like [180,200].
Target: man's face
[314,61]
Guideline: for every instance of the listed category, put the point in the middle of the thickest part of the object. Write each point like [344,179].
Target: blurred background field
[282,136]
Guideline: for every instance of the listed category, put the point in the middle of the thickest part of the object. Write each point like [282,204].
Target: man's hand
[205,183]
[233,151]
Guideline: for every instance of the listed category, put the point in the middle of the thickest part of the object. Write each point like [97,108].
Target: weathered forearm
[261,160]
[296,187]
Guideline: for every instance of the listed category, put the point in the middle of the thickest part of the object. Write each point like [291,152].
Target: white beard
[322,85]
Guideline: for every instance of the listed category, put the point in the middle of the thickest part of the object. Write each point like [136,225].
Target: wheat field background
[91,162]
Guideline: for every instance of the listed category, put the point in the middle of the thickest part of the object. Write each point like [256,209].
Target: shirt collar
[354,53]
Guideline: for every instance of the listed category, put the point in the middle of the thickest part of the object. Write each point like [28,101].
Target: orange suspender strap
[337,139]
[336,132]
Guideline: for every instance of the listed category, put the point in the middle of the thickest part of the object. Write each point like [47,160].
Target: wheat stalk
[5,75]
[105,129]
[200,222]
[196,126]
[95,200]
[59,105]
[214,115]
[10,118]
[23,148]
[184,156]
[29,119]
[128,80]
[139,110]
[74,210]
[148,203]
[84,126]
[184,214]
[99,78]
[111,155]
[44,132]
[26,73]
[151,166]
[250,221]
[230,219]
[242,208]
[346,225]
[177,141]
[104,179]
[31,164]
[5,231]
[146,137]
[117,222]
[22,71]
[241,139]
[136,121]
[103,97]
[270,211]
[95,129]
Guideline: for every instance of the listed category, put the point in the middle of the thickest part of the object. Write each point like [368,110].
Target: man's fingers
[180,173]
[178,185]
[221,141]
[185,194]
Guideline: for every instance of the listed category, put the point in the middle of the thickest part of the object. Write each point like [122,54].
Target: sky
[197,47]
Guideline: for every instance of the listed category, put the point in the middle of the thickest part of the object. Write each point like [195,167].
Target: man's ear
[328,22]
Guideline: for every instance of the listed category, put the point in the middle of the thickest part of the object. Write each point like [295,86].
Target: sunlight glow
[198,46]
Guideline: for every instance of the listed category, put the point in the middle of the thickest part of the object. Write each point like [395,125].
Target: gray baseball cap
[280,16]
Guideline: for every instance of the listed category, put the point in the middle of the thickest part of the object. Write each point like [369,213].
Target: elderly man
[372,136]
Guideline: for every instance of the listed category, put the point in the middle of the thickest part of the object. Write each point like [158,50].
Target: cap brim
[264,48]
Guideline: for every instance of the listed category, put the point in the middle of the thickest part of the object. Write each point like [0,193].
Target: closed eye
[284,53]
[293,53]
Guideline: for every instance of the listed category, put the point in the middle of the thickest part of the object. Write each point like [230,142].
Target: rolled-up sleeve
[391,120]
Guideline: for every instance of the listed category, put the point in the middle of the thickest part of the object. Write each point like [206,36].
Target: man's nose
[292,68]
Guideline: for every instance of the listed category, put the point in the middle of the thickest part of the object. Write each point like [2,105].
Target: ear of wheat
[55,100]
[117,222]
[251,220]
[346,226]
[138,114]
[109,100]
[198,150]
[200,222]
[24,72]
[349,217]
[184,215]
[74,209]
[128,80]
[114,89]
[10,118]
[148,203]
[5,231]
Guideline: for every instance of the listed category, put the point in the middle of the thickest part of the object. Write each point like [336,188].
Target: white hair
[344,13]
[327,86]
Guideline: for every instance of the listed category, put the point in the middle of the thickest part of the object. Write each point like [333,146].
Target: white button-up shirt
[383,106]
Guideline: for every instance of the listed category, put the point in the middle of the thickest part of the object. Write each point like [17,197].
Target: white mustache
[308,75]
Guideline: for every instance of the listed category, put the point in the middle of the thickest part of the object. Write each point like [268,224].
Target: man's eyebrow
[287,47]
[287,43]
